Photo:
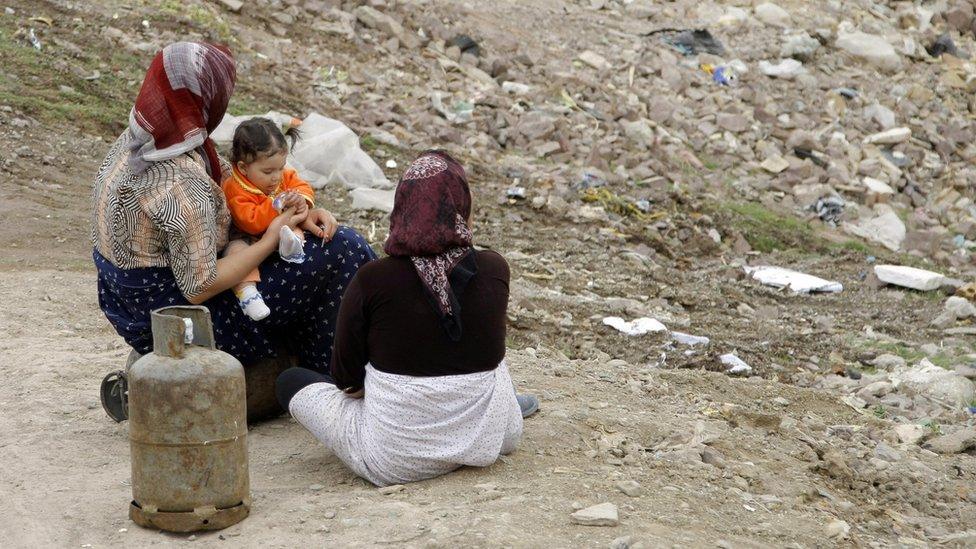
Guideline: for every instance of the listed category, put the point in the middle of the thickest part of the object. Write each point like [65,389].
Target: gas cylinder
[187,428]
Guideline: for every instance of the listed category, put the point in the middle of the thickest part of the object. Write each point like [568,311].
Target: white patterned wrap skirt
[409,428]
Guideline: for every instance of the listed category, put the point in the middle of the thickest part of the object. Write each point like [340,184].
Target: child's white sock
[290,247]
[252,302]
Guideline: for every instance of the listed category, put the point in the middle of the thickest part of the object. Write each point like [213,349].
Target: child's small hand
[292,200]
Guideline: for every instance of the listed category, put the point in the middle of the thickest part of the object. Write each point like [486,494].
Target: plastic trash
[515,193]
[800,283]
[736,365]
[688,339]
[33,39]
[466,44]
[460,113]
[636,327]
[942,44]
[591,181]
[328,151]
[785,68]
[372,199]
[723,76]
[829,209]
[691,42]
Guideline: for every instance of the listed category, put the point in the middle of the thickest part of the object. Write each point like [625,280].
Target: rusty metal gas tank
[187,428]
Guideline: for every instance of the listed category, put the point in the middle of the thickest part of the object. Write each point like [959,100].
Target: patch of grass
[241,104]
[37,82]
[205,17]
[368,143]
[910,355]
[766,230]
[855,246]
[880,411]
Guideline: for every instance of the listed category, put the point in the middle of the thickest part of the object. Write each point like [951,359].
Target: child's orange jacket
[251,209]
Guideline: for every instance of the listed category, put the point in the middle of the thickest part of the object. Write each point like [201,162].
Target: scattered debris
[636,327]
[798,282]
[691,42]
[688,339]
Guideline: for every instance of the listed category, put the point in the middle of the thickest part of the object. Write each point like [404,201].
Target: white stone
[736,365]
[604,514]
[773,15]
[889,137]
[516,88]
[784,68]
[909,434]
[838,530]
[733,17]
[960,307]
[909,277]
[233,5]
[872,48]
[938,384]
[884,116]
[775,164]
[372,199]
[688,339]
[796,281]
[886,229]
[594,60]
[639,131]
[878,187]
[801,46]
[636,327]
[630,487]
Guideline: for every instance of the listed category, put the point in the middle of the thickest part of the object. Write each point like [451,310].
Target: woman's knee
[293,380]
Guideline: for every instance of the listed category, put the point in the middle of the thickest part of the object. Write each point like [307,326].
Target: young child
[260,189]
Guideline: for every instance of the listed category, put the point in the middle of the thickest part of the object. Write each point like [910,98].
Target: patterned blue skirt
[303,298]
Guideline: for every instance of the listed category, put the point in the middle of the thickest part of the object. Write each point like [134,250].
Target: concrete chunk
[909,277]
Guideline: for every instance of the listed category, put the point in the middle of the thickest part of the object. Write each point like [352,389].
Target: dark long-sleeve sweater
[385,319]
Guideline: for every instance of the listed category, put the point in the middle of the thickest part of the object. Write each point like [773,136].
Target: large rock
[886,229]
[773,15]
[954,443]
[380,21]
[909,277]
[604,514]
[800,46]
[889,137]
[909,434]
[960,308]
[871,48]
[940,385]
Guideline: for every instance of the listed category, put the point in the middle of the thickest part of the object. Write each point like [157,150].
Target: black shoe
[115,395]
[529,404]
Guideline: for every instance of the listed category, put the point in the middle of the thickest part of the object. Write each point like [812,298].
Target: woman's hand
[289,217]
[321,223]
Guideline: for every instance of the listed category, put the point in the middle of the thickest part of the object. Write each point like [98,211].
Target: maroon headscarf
[429,225]
[183,99]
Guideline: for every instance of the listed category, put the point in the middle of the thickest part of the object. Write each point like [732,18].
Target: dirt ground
[776,459]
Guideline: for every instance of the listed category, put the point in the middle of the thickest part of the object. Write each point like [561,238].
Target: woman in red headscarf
[159,222]
[421,338]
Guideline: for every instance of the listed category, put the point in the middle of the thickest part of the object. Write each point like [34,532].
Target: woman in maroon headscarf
[160,220]
[419,385]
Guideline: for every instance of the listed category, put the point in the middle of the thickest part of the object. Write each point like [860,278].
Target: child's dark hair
[258,138]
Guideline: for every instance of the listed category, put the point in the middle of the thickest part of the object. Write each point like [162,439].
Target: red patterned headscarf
[183,98]
[429,225]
